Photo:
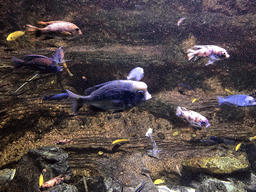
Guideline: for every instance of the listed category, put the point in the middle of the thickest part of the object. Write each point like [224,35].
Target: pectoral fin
[65,34]
[210,62]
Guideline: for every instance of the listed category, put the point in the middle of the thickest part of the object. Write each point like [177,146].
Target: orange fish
[54,29]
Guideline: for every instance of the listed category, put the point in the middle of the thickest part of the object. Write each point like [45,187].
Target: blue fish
[217,140]
[56,97]
[238,100]
[112,96]
[41,63]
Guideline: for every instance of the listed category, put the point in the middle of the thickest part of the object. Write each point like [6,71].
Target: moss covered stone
[218,164]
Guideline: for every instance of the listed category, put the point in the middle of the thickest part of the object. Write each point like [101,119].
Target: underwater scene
[128,95]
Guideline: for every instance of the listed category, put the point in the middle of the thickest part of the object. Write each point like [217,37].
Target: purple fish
[41,63]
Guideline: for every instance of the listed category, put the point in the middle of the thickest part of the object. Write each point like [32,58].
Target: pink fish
[55,181]
[62,142]
[54,29]
[181,20]
[213,52]
[194,118]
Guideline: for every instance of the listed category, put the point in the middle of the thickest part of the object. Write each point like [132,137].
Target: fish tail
[77,101]
[33,31]
[16,62]
[220,100]
[191,54]
[179,111]
[46,98]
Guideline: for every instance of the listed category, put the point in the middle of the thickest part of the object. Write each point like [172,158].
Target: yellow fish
[41,180]
[15,35]
[230,92]
[238,146]
[194,100]
[252,138]
[66,67]
[120,141]
[158,181]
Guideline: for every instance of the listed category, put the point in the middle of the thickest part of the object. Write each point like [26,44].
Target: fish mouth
[147,95]
[208,125]
[227,55]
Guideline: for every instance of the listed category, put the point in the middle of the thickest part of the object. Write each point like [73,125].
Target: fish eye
[203,123]
[140,93]
[77,29]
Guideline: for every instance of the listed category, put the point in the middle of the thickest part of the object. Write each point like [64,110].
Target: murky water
[118,36]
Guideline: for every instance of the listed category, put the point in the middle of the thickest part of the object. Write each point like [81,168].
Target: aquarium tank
[128,95]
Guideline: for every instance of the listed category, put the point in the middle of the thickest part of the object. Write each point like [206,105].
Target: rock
[218,164]
[209,184]
[6,175]
[64,188]
[125,172]
[96,184]
[29,168]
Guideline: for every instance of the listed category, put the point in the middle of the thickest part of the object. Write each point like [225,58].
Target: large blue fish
[238,100]
[41,63]
[114,95]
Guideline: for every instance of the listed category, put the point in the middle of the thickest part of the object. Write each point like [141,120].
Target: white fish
[181,20]
[213,52]
[193,117]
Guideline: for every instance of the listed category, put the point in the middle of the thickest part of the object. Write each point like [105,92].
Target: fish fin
[58,56]
[210,62]
[66,33]
[44,22]
[16,62]
[179,111]
[220,100]
[136,74]
[77,101]
[191,54]
[33,31]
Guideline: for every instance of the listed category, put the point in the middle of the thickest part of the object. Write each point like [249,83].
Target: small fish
[56,97]
[180,21]
[62,142]
[54,29]
[136,74]
[194,118]
[238,100]
[55,181]
[155,151]
[217,140]
[252,138]
[67,69]
[40,63]
[230,92]
[194,100]
[159,181]
[41,180]
[15,35]
[238,146]
[208,141]
[213,52]
[120,141]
